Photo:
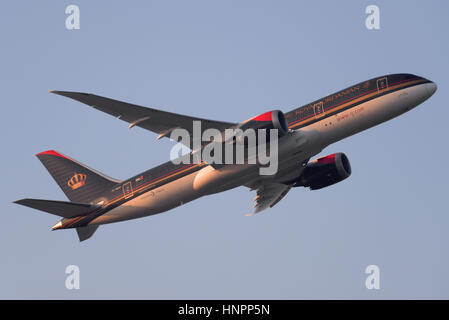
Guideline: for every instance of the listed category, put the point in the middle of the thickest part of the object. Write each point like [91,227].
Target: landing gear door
[127,190]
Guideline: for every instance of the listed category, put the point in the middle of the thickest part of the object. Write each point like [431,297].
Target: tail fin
[77,181]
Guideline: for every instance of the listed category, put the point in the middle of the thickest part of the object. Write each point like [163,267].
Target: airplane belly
[210,180]
[293,149]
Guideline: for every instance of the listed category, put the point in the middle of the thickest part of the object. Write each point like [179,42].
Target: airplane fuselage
[311,128]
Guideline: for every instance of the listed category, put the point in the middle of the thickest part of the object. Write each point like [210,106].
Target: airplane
[97,199]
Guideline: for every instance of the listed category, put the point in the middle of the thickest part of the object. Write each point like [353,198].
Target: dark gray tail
[79,182]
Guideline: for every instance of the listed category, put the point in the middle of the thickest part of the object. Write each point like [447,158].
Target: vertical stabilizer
[79,182]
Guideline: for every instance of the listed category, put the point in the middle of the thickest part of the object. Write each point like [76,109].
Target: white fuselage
[294,148]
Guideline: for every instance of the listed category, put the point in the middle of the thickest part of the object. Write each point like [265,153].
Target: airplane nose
[431,87]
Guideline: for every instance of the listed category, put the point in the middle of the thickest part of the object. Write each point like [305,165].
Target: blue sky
[225,60]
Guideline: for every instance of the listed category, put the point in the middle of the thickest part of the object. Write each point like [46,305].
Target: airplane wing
[268,195]
[157,121]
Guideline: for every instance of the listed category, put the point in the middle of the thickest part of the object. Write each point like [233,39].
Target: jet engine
[269,120]
[324,171]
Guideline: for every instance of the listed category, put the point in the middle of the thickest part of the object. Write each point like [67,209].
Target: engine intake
[325,171]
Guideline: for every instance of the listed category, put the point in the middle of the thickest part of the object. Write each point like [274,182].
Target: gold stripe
[153,183]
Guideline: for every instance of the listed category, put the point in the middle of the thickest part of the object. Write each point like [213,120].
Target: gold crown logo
[76,181]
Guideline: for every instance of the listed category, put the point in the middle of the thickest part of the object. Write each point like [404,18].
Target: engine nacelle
[269,120]
[325,171]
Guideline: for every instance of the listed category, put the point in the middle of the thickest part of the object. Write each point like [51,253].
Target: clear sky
[225,60]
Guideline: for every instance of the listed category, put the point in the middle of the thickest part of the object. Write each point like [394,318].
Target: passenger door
[318,109]
[127,190]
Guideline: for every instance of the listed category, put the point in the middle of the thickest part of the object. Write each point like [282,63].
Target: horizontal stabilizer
[60,208]
[86,232]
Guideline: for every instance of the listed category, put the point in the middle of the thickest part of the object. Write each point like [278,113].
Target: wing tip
[70,94]
[61,93]
[20,201]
